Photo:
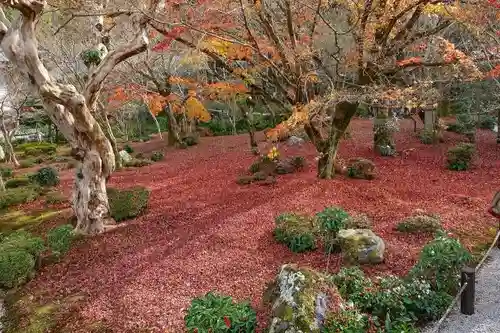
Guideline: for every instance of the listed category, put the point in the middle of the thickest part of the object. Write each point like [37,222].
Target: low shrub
[347,320]
[190,140]
[18,254]
[17,196]
[137,163]
[258,176]
[128,203]
[128,149]
[17,182]
[6,172]
[487,122]
[296,231]
[46,177]
[218,313]
[440,262]
[420,222]
[54,198]
[37,148]
[331,220]
[359,221]
[28,163]
[427,137]
[59,239]
[460,157]
[157,156]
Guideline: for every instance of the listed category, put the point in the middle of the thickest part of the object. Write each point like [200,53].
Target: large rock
[361,168]
[301,299]
[124,156]
[361,246]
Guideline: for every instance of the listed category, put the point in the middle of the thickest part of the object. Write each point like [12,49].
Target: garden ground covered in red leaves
[203,232]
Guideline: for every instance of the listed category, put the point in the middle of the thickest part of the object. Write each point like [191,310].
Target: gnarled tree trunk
[327,148]
[173,128]
[10,154]
[72,111]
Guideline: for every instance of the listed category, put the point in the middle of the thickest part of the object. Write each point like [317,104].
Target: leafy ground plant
[296,231]
[331,220]
[59,239]
[128,203]
[219,313]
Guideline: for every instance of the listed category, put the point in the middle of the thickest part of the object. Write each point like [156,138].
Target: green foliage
[46,177]
[28,163]
[55,197]
[218,313]
[17,196]
[59,239]
[427,137]
[17,182]
[37,148]
[190,140]
[440,262]
[92,56]
[128,149]
[346,321]
[157,156]
[398,302]
[18,253]
[487,122]
[296,231]
[420,222]
[128,203]
[331,220]
[460,156]
[6,172]
[254,167]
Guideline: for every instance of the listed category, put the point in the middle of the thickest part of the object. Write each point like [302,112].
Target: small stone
[124,156]
[295,141]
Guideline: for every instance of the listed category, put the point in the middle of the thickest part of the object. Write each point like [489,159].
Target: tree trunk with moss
[327,148]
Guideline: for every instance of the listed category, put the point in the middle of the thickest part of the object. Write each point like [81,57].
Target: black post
[468,295]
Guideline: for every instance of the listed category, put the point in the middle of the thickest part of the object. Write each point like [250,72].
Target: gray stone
[295,141]
[124,156]
[361,246]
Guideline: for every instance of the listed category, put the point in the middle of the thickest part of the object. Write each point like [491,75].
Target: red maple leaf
[227,321]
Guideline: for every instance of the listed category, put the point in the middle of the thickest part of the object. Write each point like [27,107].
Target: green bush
[392,299]
[157,156]
[27,163]
[17,196]
[17,182]
[331,220]
[37,148]
[6,172]
[347,321]
[427,137]
[296,231]
[460,157]
[440,263]
[218,313]
[18,254]
[128,149]
[46,177]
[487,122]
[128,203]
[190,140]
[55,197]
[420,222]
[59,239]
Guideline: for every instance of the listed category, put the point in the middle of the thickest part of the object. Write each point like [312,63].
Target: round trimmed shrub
[59,239]
[331,220]
[17,182]
[128,203]
[46,177]
[296,231]
[219,313]
[157,156]
[460,157]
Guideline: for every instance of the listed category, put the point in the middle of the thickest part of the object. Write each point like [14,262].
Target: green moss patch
[17,219]
[128,203]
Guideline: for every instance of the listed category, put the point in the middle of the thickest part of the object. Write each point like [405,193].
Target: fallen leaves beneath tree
[204,232]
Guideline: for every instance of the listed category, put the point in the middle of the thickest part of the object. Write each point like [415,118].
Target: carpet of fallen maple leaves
[204,232]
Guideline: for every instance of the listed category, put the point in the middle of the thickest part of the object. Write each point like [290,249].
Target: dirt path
[202,231]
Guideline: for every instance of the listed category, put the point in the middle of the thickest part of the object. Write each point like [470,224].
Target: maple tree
[337,53]
[72,109]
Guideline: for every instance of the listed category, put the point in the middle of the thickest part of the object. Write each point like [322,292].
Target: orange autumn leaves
[191,105]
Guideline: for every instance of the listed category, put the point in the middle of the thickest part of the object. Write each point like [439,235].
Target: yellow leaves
[273,154]
[196,110]
[155,103]
[217,45]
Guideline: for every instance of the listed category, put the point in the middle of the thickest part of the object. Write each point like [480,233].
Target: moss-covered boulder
[361,246]
[300,300]
[361,168]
